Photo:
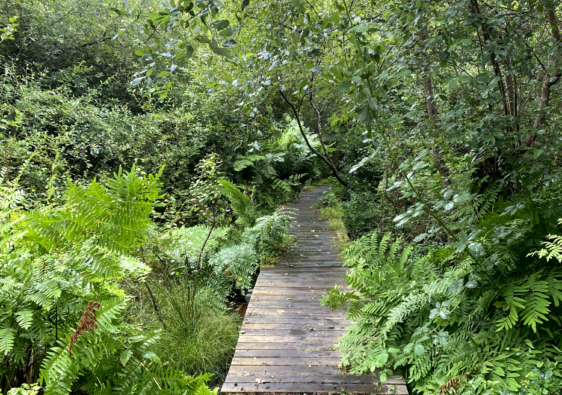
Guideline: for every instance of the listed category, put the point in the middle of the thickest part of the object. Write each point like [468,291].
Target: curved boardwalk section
[286,342]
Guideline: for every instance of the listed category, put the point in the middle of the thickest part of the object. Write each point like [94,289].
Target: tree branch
[310,147]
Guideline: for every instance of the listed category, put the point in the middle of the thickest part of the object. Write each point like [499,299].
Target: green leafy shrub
[60,268]
[447,327]
[234,268]
[269,235]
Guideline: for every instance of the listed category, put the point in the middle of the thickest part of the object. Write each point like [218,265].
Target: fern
[241,204]
[235,265]
[440,324]
[286,186]
[60,259]
[552,249]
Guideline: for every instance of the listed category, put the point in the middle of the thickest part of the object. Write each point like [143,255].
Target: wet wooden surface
[286,343]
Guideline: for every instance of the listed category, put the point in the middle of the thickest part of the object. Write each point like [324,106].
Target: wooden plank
[300,280]
[311,338]
[269,299]
[303,271]
[296,281]
[322,379]
[313,307]
[304,326]
[314,388]
[288,292]
[306,273]
[297,320]
[277,370]
[313,298]
[295,312]
[289,304]
[300,346]
[293,332]
[240,353]
[301,274]
[289,361]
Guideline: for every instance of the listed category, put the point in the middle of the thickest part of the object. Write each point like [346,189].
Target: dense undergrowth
[438,121]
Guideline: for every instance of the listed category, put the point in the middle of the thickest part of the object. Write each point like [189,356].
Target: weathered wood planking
[287,340]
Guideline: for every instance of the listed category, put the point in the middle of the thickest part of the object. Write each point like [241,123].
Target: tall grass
[200,335]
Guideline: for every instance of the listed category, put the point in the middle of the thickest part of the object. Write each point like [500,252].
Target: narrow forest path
[286,341]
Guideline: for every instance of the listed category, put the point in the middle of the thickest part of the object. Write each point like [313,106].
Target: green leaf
[137,81]
[221,24]
[125,355]
[202,39]
[7,337]
[363,114]
[419,349]
[383,376]
[218,50]
[226,32]
[24,318]
[241,164]
[344,86]
[315,69]
[401,74]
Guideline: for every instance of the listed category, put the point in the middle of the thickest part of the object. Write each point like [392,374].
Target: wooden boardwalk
[286,342]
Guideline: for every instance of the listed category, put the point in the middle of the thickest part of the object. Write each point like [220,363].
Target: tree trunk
[475,8]
[549,81]
[432,115]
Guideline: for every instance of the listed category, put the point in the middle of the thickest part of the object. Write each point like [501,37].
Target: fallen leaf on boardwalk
[242,332]
[280,311]
[260,381]
[312,231]
[320,324]
[289,298]
[285,274]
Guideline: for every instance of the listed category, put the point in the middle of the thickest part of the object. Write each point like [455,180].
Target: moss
[335,215]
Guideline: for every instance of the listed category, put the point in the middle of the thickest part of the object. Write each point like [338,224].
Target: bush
[447,327]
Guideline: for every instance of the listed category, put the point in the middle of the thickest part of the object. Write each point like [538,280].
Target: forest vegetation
[146,147]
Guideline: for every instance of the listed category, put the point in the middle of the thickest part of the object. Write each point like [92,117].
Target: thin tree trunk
[549,81]
[510,85]
[475,8]
[432,115]
[319,129]
[153,300]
